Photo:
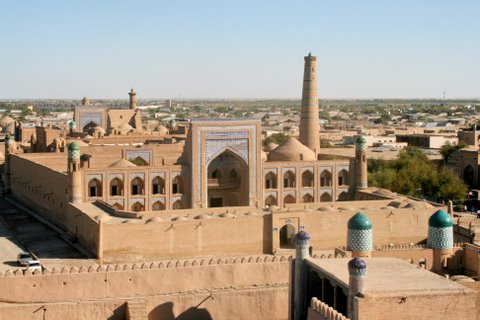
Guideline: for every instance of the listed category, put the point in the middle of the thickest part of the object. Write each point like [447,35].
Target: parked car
[33,265]
[24,258]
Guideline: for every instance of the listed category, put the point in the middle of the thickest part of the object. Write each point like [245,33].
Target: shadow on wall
[165,312]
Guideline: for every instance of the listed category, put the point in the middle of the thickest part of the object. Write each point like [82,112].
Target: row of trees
[412,173]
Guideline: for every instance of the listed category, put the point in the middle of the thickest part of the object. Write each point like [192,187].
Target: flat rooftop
[389,277]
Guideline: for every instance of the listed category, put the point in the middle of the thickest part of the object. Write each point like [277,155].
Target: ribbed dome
[270,146]
[440,219]
[292,150]
[359,222]
[73,146]
[122,163]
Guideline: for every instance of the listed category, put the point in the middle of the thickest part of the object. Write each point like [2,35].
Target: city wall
[252,287]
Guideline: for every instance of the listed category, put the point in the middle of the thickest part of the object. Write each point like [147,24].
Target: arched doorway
[287,237]
[468,176]
[95,188]
[227,181]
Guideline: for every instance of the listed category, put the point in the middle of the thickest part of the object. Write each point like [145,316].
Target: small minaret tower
[302,244]
[356,269]
[440,239]
[133,99]
[9,146]
[309,120]
[359,236]
[85,101]
[74,174]
[71,126]
[361,167]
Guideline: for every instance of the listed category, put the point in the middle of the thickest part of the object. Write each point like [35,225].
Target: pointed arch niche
[227,180]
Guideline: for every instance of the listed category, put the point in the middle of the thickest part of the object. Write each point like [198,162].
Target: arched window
[177,185]
[289,199]
[233,174]
[307,179]
[289,179]
[158,185]
[118,206]
[158,206]
[270,181]
[307,198]
[137,186]
[343,196]
[137,207]
[326,197]
[343,178]
[116,187]
[178,205]
[216,174]
[95,188]
[270,201]
[325,179]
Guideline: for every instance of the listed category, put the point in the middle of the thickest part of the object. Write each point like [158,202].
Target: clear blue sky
[238,49]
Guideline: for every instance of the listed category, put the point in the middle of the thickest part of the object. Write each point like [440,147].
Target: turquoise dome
[440,219]
[72,123]
[359,222]
[73,146]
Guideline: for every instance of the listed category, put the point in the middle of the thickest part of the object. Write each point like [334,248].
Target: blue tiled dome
[302,236]
[357,263]
[359,222]
[440,219]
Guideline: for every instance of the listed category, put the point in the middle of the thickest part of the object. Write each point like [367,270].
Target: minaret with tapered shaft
[133,99]
[309,121]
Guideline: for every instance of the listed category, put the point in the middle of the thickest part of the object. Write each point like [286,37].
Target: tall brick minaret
[309,121]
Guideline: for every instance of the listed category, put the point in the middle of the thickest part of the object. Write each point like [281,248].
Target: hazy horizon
[218,50]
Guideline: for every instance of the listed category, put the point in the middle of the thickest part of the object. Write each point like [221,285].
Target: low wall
[252,287]
[319,310]
[426,306]
[230,235]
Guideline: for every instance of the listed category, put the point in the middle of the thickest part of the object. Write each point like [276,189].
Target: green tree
[413,174]
[448,149]
[278,138]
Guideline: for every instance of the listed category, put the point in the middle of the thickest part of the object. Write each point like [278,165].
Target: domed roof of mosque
[73,146]
[440,219]
[72,123]
[99,129]
[270,146]
[122,163]
[359,222]
[161,129]
[292,150]
[6,121]
[125,126]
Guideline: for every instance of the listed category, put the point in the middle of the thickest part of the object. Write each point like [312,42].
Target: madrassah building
[109,182]
[223,214]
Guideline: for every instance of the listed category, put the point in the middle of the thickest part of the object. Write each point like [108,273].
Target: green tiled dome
[359,222]
[73,146]
[440,219]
